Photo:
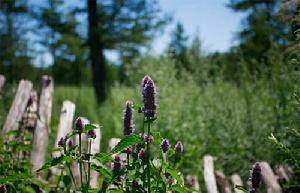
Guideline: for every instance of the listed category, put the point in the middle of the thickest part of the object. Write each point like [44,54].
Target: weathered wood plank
[64,127]
[209,174]
[283,174]
[30,116]
[2,81]
[192,182]
[112,143]
[18,106]
[269,179]
[236,181]
[42,130]
[222,183]
[95,148]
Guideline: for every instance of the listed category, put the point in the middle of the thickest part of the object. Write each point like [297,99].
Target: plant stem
[71,174]
[89,163]
[80,160]
[148,161]
[59,179]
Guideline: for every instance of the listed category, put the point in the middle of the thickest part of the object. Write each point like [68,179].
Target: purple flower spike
[92,134]
[179,147]
[254,178]
[128,119]
[149,98]
[80,123]
[62,142]
[144,81]
[165,145]
[3,189]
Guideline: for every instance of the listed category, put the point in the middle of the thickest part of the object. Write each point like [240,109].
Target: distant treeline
[75,35]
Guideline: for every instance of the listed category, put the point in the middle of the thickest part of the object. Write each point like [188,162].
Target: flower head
[92,134]
[142,154]
[165,145]
[144,81]
[254,178]
[3,188]
[128,150]
[62,142]
[135,185]
[147,138]
[179,147]
[128,119]
[104,185]
[149,97]
[70,143]
[118,163]
[79,124]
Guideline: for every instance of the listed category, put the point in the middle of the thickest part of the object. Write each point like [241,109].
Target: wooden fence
[27,104]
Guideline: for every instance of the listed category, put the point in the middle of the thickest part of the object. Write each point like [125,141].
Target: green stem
[89,163]
[148,161]
[72,176]
[59,179]
[80,160]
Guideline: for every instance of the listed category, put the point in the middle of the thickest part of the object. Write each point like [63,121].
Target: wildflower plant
[132,165]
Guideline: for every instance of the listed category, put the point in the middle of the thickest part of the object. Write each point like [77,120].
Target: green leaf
[174,174]
[241,188]
[126,142]
[53,162]
[136,107]
[88,127]
[157,137]
[102,170]
[181,189]
[67,180]
[103,157]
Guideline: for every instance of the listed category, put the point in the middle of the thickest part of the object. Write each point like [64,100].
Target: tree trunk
[96,52]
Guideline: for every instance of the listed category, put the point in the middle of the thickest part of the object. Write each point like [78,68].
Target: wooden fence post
[64,127]
[236,181]
[209,174]
[2,81]
[222,183]
[192,182]
[283,174]
[269,179]
[42,130]
[95,148]
[18,106]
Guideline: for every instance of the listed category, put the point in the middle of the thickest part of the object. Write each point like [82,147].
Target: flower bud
[3,188]
[165,145]
[135,185]
[79,124]
[92,134]
[117,158]
[128,119]
[146,138]
[254,178]
[179,147]
[62,142]
[142,154]
[128,150]
[70,144]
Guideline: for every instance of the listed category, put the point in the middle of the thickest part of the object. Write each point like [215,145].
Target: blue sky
[216,23]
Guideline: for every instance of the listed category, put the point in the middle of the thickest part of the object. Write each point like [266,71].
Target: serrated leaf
[126,142]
